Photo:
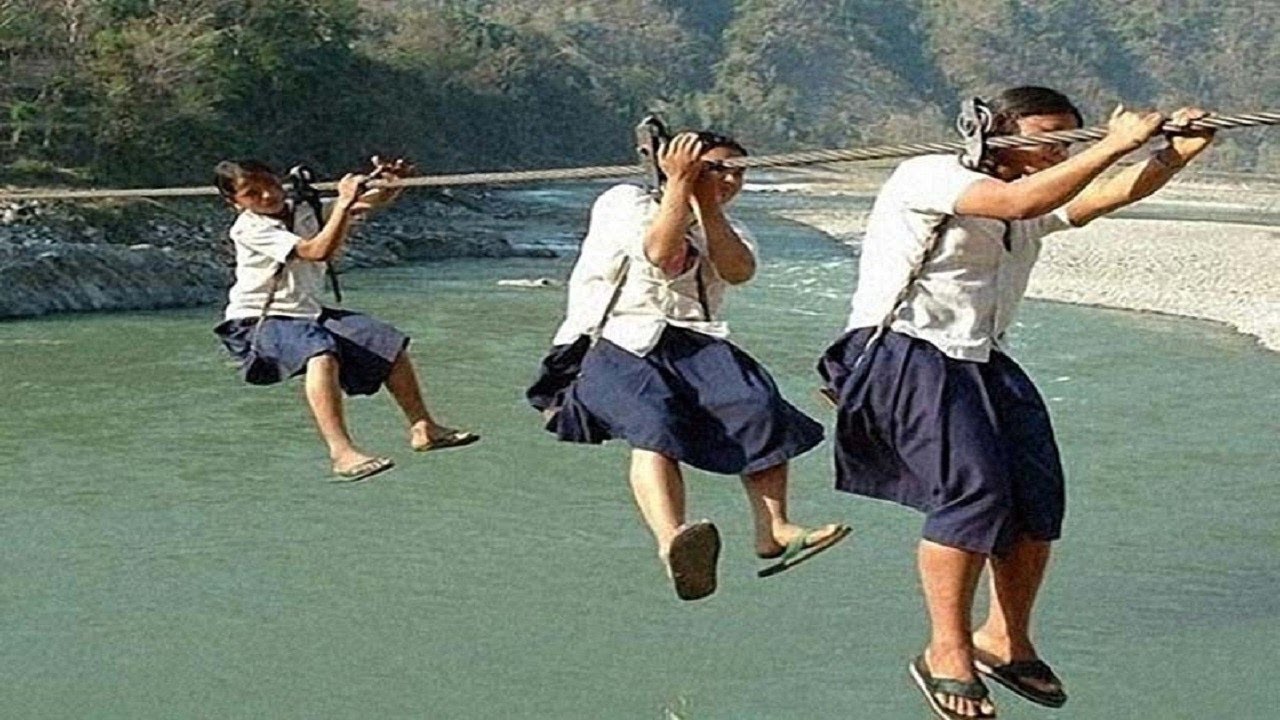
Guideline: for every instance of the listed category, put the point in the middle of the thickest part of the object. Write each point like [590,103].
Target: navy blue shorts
[694,398]
[967,443]
[365,348]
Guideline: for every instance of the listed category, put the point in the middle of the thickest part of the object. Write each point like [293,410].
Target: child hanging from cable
[276,326]
[643,356]
[932,411]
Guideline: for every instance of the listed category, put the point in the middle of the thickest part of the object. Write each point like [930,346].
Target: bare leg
[402,383]
[1015,581]
[950,578]
[325,398]
[767,493]
[658,487]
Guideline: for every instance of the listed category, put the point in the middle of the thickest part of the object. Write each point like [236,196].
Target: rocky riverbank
[63,257]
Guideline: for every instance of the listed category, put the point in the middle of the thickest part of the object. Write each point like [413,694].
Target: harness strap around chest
[313,201]
[621,280]
[702,293]
[278,275]
[931,246]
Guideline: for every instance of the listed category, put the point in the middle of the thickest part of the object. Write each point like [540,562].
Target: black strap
[266,306]
[931,245]
[1033,669]
[312,200]
[333,282]
[301,194]
[289,220]
[702,292]
[971,690]
[623,267]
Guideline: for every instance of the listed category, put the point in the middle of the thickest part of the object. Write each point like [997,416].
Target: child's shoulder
[928,175]
[930,165]
[623,193]
[249,223]
[622,203]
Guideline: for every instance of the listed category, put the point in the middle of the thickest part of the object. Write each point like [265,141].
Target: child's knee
[643,457]
[322,362]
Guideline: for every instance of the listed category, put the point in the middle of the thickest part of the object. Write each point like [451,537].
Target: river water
[171,547]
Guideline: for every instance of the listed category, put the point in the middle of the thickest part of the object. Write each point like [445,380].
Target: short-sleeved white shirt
[649,300]
[262,244]
[970,289]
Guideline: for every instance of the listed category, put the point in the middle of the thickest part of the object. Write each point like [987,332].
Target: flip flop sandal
[930,687]
[364,470]
[451,438]
[692,560]
[828,396]
[800,549]
[1014,675]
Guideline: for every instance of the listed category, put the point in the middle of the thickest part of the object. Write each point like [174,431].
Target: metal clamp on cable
[651,135]
[975,124]
[302,190]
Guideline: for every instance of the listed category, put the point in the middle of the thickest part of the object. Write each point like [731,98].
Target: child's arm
[324,244]
[1049,189]
[665,244]
[733,260]
[1137,182]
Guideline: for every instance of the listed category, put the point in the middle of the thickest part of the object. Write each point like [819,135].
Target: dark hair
[228,174]
[712,140]
[1019,102]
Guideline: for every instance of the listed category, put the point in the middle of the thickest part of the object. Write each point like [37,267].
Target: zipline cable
[600,172]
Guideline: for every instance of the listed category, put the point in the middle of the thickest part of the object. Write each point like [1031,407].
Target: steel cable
[600,172]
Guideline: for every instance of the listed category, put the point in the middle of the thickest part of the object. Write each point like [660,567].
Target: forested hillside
[150,91]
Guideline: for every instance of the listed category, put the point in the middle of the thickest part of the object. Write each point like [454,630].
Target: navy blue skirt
[365,348]
[559,368]
[967,443]
[694,398]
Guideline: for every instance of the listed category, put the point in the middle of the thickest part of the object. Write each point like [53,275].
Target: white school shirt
[649,300]
[970,289]
[262,243]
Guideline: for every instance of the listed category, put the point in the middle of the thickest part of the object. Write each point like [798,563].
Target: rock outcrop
[57,257]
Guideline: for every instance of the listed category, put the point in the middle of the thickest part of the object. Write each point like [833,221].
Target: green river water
[171,547]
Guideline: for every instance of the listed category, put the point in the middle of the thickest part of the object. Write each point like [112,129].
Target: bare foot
[782,535]
[346,461]
[994,650]
[421,432]
[425,435]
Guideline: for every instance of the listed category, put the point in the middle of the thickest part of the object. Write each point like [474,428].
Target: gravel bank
[1223,271]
